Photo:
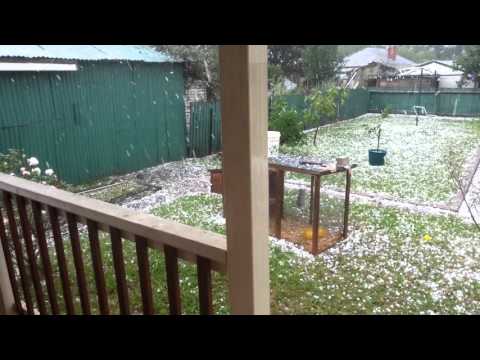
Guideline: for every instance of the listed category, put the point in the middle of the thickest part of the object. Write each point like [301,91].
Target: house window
[371,82]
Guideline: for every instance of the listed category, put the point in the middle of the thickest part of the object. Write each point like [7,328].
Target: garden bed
[153,186]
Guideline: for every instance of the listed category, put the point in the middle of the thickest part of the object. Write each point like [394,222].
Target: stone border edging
[468,178]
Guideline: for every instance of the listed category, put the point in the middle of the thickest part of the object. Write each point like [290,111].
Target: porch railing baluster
[7,200]
[9,263]
[173,281]
[144,274]
[43,247]
[27,237]
[65,211]
[120,276]
[61,260]
[78,261]
[98,267]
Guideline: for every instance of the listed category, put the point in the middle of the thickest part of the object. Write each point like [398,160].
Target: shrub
[324,104]
[16,163]
[286,120]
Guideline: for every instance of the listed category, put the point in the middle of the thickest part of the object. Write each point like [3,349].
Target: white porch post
[7,302]
[244,103]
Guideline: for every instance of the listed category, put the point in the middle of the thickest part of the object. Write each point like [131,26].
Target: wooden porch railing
[53,208]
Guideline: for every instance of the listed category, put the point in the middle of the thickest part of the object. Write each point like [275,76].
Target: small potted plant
[376,157]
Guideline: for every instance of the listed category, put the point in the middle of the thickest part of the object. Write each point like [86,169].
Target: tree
[288,59]
[346,50]
[324,104]
[416,53]
[313,63]
[286,120]
[321,63]
[469,62]
[201,63]
[458,51]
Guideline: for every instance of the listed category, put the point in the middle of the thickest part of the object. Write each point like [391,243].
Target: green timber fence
[355,105]
[205,124]
[445,102]
[205,129]
[107,118]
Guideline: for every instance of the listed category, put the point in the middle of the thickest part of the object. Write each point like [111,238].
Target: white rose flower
[25,173]
[22,169]
[49,172]
[37,171]
[33,162]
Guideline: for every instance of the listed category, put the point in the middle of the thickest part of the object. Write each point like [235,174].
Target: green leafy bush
[324,104]
[287,121]
[16,163]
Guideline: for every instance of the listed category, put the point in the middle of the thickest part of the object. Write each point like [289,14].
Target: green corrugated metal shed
[122,111]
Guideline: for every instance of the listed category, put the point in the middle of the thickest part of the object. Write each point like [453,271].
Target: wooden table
[306,166]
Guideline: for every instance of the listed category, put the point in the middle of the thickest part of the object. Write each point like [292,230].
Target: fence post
[7,301]
[192,131]
[244,106]
[210,131]
[188,129]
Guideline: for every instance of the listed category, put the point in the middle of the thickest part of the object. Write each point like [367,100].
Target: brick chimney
[391,52]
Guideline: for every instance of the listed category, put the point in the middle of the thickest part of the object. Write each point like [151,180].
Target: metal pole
[316,215]
[419,96]
[347,202]
[420,88]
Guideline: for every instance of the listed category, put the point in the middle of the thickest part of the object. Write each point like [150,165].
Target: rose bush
[16,163]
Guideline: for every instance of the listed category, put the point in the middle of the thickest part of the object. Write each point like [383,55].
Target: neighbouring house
[448,76]
[412,78]
[91,111]
[429,76]
[366,67]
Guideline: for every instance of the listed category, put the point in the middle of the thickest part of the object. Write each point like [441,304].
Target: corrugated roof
[442,68]
[415,71]
[86,52]
[379,55]
[449,63]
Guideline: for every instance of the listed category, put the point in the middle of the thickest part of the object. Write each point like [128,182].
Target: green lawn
[416,163]
[385,267]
